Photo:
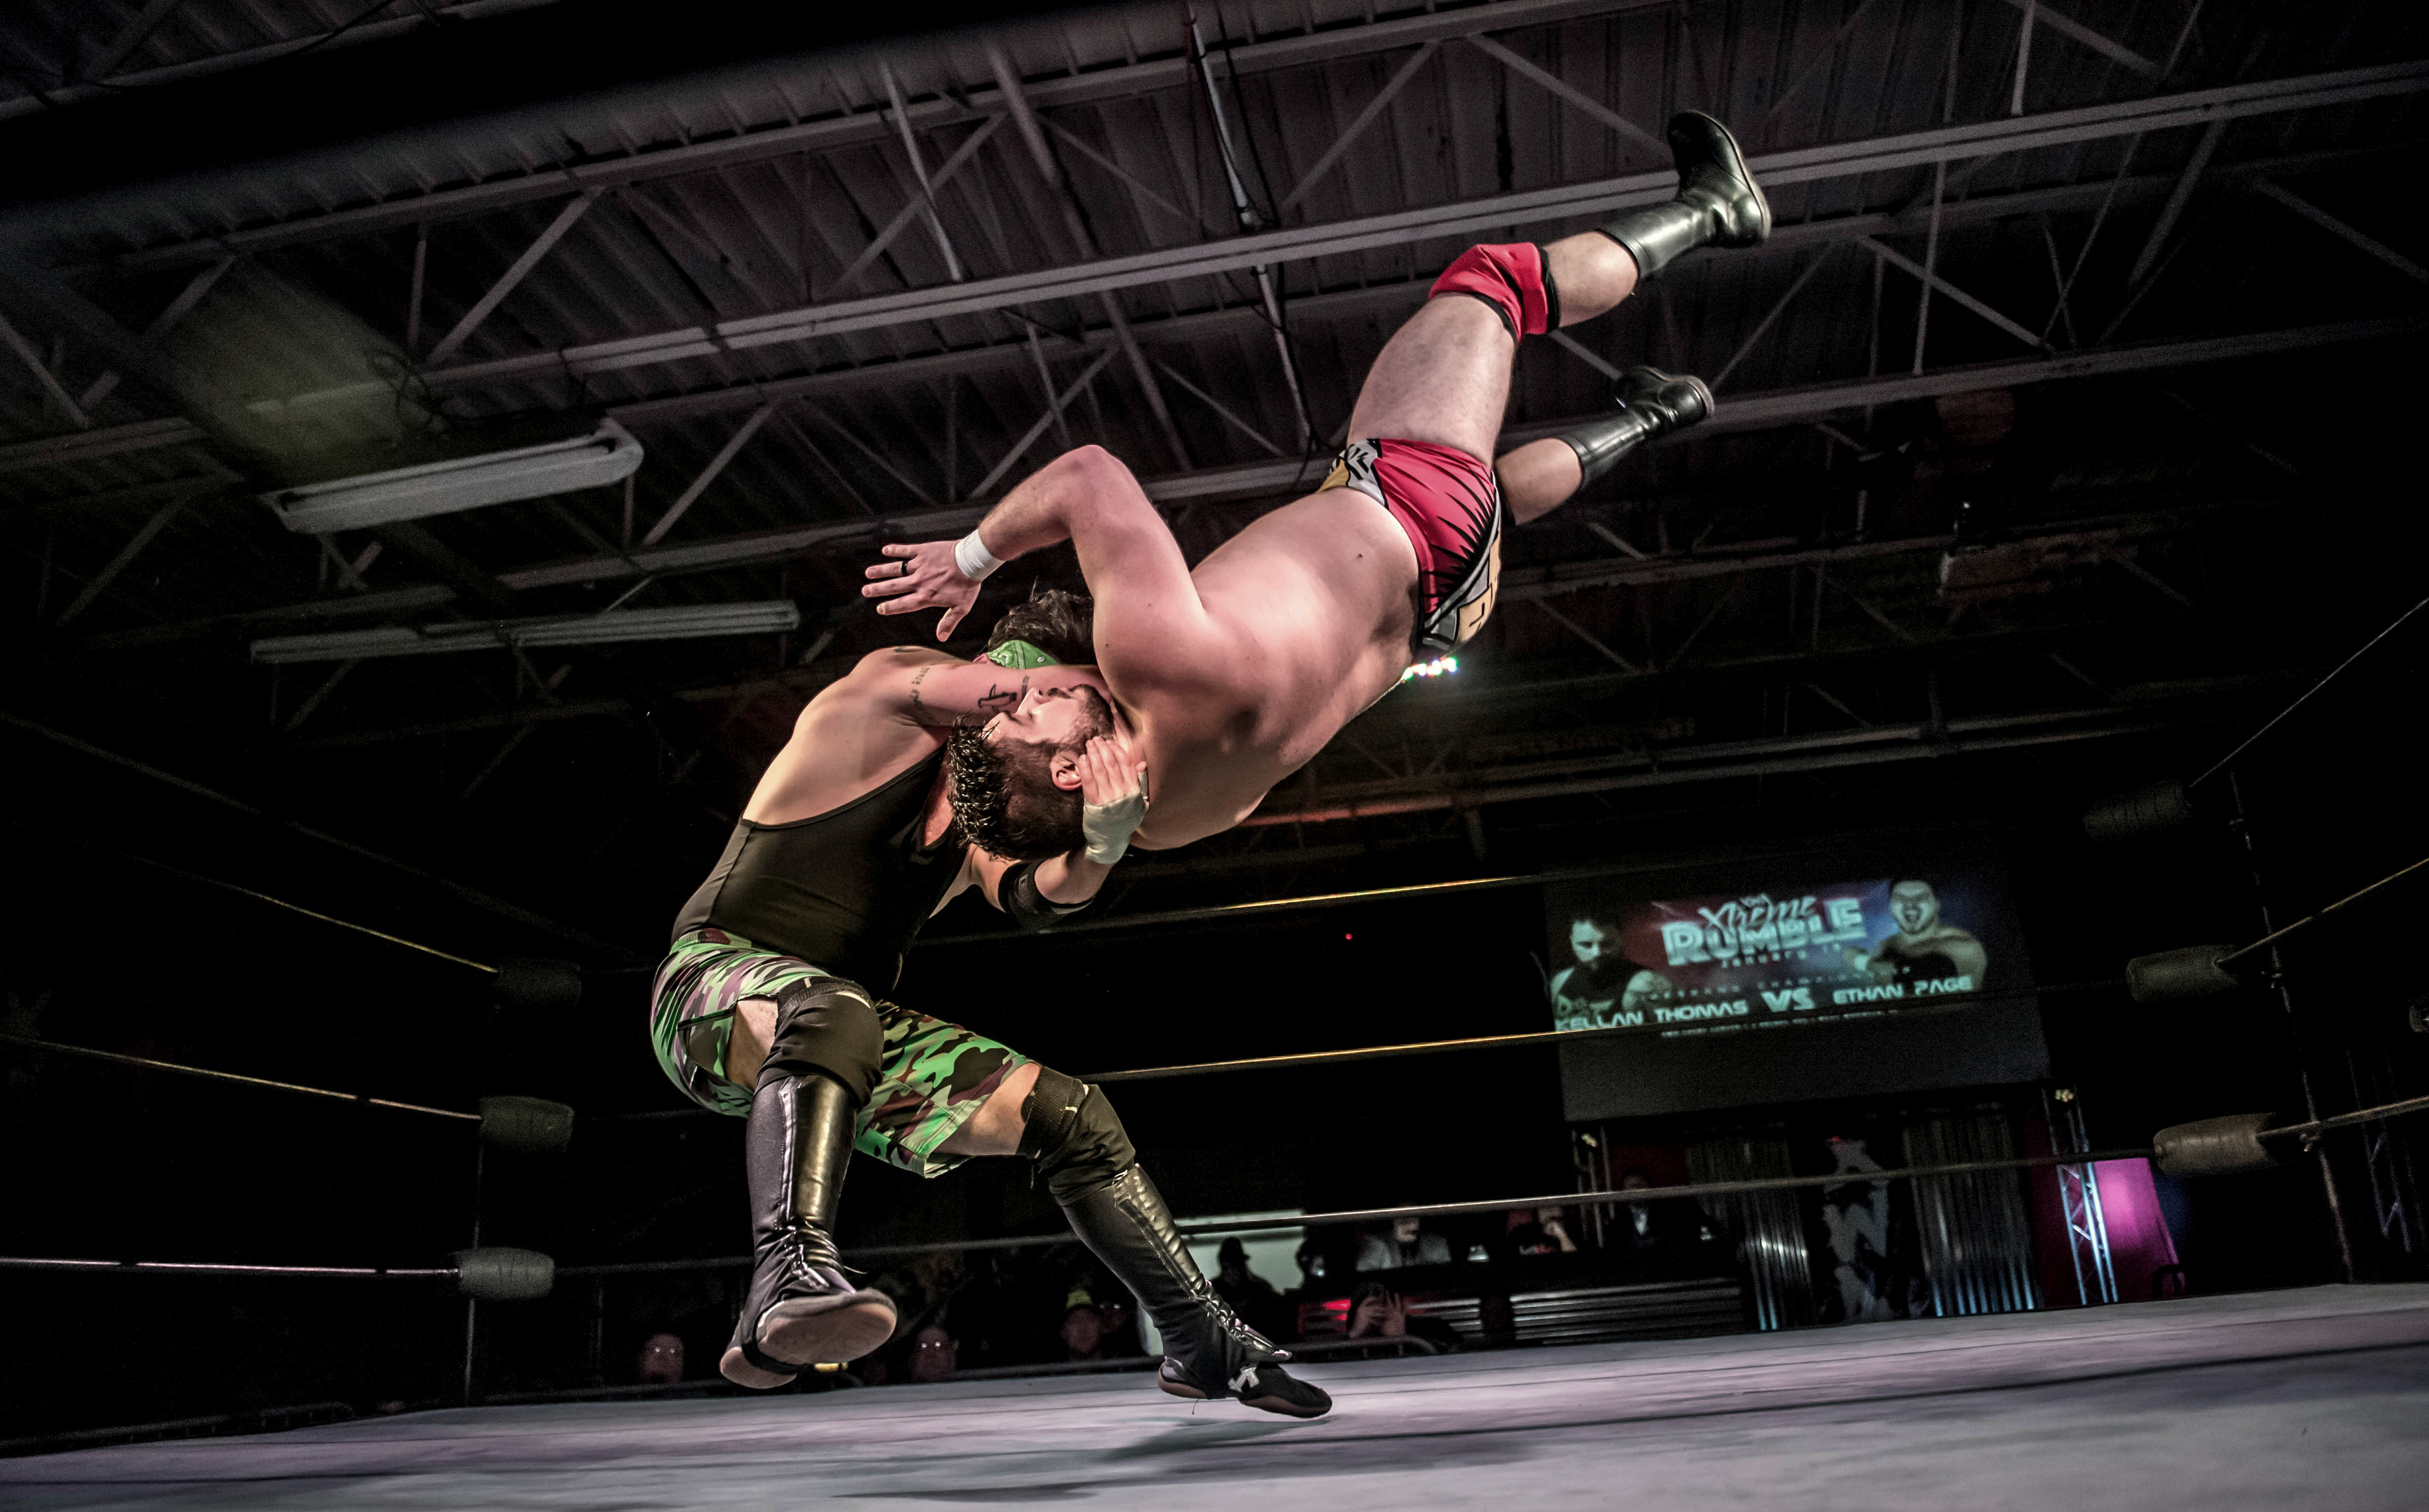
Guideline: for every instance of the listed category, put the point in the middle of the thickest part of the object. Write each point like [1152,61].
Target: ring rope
[56,1049]
[2230,756]
[2351,898]
[265,898]
[2359,1115]
[1381,1052]
[1484,1041]
[378,1272]
[1242,1225]
[1360,1215]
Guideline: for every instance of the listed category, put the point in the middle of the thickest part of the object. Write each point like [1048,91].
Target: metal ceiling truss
[1787,240]
[1534,207]
[872,122]
[1756,411]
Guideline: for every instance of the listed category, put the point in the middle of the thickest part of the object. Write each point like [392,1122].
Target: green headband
[1021,656]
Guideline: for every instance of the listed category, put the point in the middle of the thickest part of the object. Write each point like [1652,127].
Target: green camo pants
[935,1075]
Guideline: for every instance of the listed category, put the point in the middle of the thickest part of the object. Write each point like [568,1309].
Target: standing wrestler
[767,1005]
[1235,675]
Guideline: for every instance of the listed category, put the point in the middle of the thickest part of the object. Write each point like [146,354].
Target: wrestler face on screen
[1588,941]
[1915,906]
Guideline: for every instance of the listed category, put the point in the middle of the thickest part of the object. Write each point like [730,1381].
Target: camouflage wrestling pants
[934,1074]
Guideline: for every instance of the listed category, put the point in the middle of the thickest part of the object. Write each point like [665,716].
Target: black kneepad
[827,1024]
[1072,1132]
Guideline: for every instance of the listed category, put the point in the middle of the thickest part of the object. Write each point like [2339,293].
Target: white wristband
[971,556]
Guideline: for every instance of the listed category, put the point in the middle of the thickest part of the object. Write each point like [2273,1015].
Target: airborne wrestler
[1235,675]
[769,1004]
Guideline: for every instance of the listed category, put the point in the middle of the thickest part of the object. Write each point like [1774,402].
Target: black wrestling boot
[799,1309]
[1208,1351]
[1718,203]
[1651,403]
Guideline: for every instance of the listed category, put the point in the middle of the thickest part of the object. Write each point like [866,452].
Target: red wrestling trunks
[1450,503]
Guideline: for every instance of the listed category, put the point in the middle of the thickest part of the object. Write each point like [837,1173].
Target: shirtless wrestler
[1235,675]
[769,1003]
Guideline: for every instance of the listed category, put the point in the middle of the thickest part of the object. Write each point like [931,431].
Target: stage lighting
[606,454]
[682,622]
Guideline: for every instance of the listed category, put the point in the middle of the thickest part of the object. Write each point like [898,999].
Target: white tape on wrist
[971,556]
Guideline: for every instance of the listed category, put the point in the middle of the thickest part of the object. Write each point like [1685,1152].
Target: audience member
[1252,1295]
[1377,1312]
[1084,1332]
[1121,1331]
[1541,1231]
[1665,1232]
[1408,1243]
[933,1355]
[1309,1260]
[662,1359]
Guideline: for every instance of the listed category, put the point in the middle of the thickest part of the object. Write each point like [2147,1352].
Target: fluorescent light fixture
[682,622]
[605,455]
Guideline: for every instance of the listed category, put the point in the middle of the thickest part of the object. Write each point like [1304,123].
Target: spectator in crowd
[1084,1332]
[1665,1233]
[1375,1311]
[662,1360]
[933,1355]
[1251,1295]
[1121,1332]
[1410,1242]
[1541,1231]
[1309,1260]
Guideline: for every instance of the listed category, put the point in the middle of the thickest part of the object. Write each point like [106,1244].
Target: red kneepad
[1511,278]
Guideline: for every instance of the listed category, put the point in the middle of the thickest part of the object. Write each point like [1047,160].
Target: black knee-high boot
[822,1060]
[1651,403]
[799,1309]
[1070,1130]
[1718,203]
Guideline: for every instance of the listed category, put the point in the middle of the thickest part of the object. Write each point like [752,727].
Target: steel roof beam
[1758,411]
[1531,207]
[1880,743]
[149,434]
[870,124]
[2334,227]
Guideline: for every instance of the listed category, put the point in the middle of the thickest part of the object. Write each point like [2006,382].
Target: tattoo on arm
[1001,700]
[918,678]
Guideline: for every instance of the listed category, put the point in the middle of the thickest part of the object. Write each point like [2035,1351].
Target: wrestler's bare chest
[1312,604]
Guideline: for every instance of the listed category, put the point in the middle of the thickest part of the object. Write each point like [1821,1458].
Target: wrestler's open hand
[922,577]
[1113,798]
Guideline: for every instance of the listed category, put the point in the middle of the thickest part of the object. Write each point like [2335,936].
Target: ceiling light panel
[682,622]
[606,455]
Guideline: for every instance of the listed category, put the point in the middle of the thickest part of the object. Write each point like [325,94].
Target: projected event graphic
[1834,951]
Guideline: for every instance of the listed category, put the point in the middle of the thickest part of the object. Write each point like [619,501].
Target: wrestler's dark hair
[1062,625]
[1002,792]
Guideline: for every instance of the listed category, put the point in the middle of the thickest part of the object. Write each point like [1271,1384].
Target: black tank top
[845,890]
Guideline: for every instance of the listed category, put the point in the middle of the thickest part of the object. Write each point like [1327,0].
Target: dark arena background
[1936,832]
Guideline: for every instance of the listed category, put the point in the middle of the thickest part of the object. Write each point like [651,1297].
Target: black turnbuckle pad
[496,1274]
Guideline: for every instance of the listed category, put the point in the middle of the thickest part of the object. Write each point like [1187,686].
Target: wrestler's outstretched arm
[1150,625]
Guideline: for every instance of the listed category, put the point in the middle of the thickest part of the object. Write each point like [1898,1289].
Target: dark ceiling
[2122,478]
